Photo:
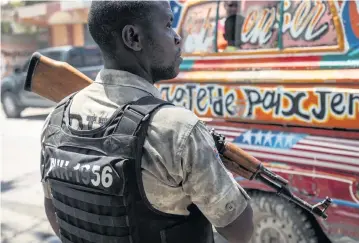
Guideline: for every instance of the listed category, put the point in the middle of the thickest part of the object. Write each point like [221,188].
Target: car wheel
[9,105]
[279,221]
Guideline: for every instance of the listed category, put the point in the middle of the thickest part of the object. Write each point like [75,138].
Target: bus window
[254,26]
[198,28]
[247,25]
[308,24]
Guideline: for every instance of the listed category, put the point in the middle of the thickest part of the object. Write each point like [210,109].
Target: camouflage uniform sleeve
[206,180]
[45,185]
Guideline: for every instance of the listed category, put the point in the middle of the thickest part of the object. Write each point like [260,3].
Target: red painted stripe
[329,146]
[323,171]
[339,141]
[234,66]
[259,60]
[300,153]
[331,153]
[230,138]
[309,131]
[279,159]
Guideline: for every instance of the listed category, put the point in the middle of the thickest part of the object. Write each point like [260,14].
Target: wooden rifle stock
[240,162]
[52,79]
[247,161]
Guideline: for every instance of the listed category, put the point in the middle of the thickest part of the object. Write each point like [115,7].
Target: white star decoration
[258,138]
[279,140]
[266,139]
[247,137]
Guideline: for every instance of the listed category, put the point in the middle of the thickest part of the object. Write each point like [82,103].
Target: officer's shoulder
[57,106]
[176,115]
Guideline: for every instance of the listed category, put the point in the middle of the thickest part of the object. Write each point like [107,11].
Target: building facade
[66,21]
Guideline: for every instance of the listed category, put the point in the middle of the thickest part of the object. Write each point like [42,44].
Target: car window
[26,65]
[92,57]
[75,58]
[55,55]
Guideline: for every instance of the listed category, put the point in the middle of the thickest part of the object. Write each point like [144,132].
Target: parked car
[280,79]
[15,99]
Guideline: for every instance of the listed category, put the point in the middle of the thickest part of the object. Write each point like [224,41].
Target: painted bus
[281,80]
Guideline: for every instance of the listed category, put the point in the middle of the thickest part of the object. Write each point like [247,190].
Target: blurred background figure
[233,23]
[230,26]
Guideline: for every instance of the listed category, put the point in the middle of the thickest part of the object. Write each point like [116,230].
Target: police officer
[118,163]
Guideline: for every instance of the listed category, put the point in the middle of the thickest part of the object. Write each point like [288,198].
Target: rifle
[52,79]
[243,164]
[55,80]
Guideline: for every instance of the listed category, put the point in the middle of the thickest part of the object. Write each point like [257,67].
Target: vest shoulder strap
[136,113]
[58,113]
[133,115]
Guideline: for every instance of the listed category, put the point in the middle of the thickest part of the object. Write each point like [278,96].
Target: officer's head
[136,33]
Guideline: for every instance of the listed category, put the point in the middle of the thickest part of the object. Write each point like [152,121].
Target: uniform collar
[126,79]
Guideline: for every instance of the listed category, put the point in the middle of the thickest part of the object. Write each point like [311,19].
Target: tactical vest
[96,182]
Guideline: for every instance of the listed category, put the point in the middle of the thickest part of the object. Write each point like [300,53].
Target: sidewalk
[23,217]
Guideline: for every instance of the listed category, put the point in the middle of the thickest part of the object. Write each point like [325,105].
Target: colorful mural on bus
[281,80]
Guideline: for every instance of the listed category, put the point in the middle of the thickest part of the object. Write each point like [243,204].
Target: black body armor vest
[96,182]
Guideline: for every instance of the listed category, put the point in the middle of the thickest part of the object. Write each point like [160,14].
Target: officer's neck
[128,65]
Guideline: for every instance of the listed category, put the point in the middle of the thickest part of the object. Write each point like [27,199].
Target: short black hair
[106,16]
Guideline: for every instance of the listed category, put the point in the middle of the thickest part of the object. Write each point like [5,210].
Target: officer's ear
[131,37]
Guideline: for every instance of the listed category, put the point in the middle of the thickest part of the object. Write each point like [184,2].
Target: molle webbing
[90,217]
[90,236]
[102,200]
[74,203]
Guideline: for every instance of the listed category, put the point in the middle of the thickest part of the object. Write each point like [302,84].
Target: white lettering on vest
[85,174]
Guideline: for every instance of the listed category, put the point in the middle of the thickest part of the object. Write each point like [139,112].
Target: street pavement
[23,218]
